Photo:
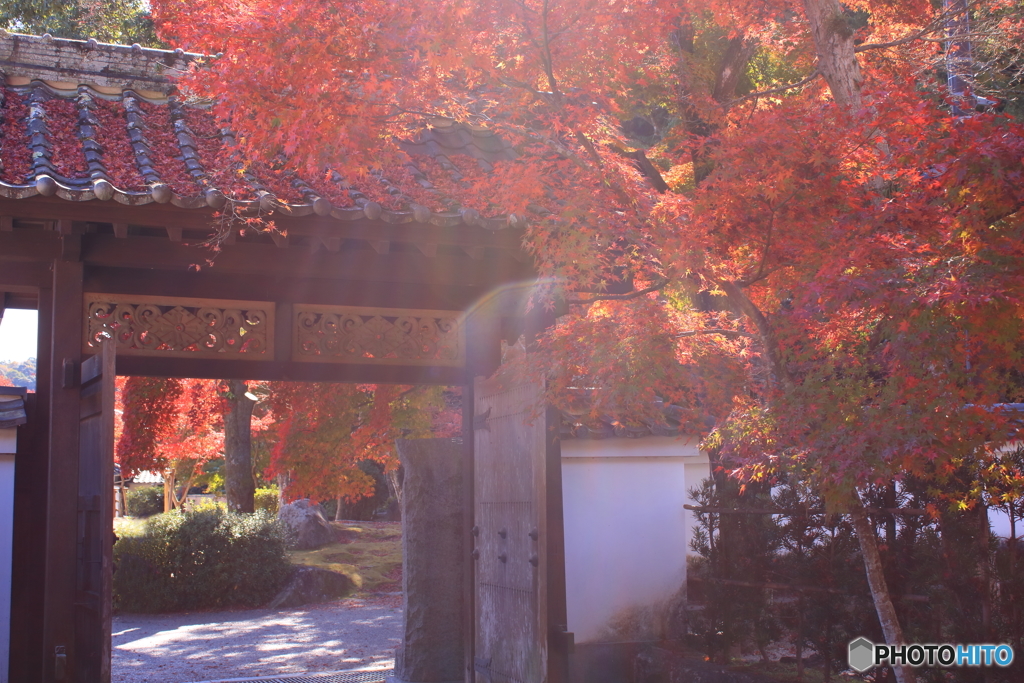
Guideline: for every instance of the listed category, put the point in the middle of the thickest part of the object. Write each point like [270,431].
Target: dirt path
[202,646]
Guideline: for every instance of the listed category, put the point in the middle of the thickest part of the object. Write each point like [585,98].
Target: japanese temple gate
[342,292]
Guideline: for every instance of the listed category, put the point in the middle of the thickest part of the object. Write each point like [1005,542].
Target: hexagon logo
[862,655]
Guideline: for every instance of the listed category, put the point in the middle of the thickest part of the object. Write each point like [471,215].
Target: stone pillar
[431,650]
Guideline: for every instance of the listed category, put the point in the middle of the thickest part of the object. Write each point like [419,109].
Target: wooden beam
[363,229]
[29,245]
[428,250]
[281,240]
[121,230]
[6,223]
[213,368]
[150,252]
[206,283]
[71,247]
[173,233]
[24,278]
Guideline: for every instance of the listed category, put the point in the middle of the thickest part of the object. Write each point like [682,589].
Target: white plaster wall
[7,443]
[626,532]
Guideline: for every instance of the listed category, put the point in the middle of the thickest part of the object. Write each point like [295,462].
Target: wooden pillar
[469,565]
[483,356]
[62,480]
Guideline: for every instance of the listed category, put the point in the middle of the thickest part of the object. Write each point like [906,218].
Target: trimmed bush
[200,559]
[267,499]
[144,501]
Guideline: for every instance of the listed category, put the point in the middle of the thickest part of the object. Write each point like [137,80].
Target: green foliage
[20,373]
[267,499]
[200,559]
[735,553]
[144,501]
[109,21]
[799,575]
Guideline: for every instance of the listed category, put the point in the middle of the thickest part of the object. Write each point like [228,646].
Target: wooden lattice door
[517,523]
[95,518]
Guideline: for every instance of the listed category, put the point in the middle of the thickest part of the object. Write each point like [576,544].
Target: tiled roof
[86,121]
[12,407]
[578,427]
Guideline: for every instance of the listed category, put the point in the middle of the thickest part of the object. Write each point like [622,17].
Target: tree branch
[619,297]
[714,330]
[772,91]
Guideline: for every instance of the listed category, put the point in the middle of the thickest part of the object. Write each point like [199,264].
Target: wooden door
[95,519]
[519,585]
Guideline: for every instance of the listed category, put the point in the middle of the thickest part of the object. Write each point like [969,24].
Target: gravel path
[203,646]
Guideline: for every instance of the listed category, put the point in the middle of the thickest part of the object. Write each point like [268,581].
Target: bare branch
[620,297]
[714,330]
[773,91]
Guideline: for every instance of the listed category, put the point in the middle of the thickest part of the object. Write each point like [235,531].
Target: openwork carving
[188,328]
[378,336]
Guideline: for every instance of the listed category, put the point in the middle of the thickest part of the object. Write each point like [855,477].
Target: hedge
[200,559]
[144,501]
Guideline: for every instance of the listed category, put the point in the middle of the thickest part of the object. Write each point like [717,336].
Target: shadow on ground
[202,646]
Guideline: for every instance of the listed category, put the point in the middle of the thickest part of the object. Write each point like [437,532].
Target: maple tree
[824,258]
[168,426]
[323,432]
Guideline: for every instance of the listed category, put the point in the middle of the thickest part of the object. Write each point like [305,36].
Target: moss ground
[369,553]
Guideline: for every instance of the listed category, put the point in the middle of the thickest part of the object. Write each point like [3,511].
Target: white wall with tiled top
[627,535]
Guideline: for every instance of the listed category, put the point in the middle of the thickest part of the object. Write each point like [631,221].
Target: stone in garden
[306,525]
[311,585]
[431,650]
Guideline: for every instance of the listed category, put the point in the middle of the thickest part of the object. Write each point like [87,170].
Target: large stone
[431,650]
[306,525]
[310,585]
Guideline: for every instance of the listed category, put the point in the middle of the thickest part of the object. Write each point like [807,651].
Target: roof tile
[143,146]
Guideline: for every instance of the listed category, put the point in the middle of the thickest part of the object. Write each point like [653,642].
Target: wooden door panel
[95,519]
[510,641]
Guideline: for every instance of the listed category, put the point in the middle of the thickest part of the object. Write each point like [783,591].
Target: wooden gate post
[62,495]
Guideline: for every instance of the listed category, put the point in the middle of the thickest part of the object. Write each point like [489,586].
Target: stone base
[311,585]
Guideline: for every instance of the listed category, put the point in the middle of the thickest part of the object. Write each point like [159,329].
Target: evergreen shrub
[267,499]
[200,559]
[144,501]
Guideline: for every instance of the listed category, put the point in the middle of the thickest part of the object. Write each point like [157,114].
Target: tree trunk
[239,487]
[879,590]
[837,61]
[168,490]
[985,574]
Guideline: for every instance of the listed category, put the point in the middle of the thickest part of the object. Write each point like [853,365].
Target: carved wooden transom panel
[170,326]
[388,336]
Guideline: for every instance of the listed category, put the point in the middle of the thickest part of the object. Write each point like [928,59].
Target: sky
[18,335]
